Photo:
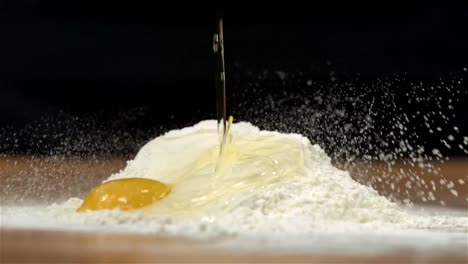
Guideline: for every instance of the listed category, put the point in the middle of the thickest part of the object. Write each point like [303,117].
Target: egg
[125,194]
[190,175]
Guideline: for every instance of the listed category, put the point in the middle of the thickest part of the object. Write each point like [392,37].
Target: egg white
[186,159]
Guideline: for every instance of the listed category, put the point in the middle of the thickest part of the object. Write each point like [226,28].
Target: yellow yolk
[125,194]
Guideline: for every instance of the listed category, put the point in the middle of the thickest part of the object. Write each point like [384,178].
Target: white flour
[325,200]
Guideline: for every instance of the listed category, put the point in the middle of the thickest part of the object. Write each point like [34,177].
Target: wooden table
[35,246]
[45,179]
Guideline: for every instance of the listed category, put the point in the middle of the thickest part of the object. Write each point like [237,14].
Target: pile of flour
[326,199]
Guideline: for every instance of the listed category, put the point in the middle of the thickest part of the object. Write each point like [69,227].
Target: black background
[139,69]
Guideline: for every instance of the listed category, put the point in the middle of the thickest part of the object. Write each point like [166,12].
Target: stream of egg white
[227,172]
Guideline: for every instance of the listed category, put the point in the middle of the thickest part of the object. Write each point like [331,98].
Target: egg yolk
[125,194]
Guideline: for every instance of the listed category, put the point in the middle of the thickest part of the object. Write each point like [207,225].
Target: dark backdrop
[122,72]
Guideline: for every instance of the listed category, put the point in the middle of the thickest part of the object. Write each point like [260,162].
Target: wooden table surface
[48,179]
[34,246]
